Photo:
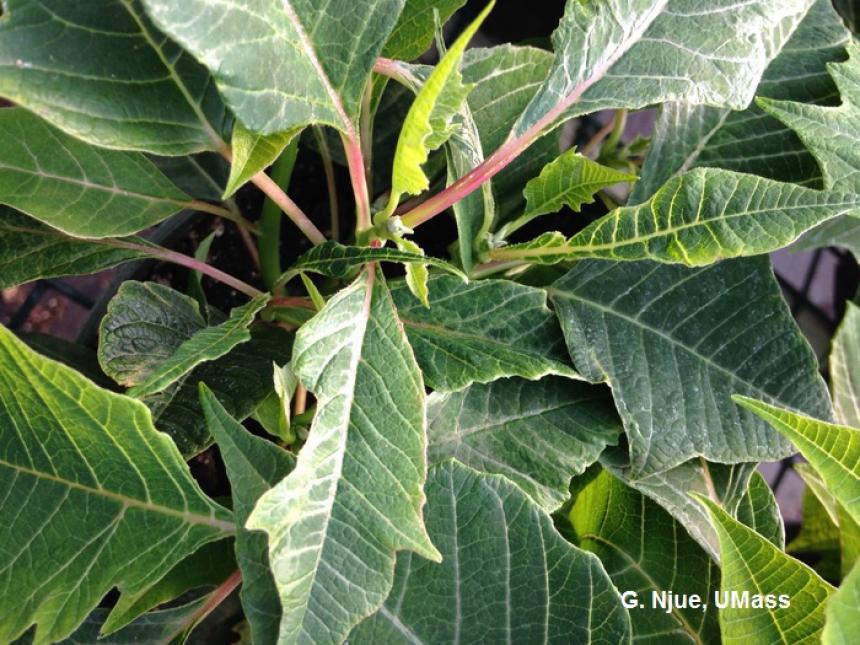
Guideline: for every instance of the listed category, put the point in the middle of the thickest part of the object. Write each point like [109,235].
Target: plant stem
[296,214]
[218,595]
[495,266]
[226,213]
[183,260]
[331,186]
[269,243]
[365,129]
[355,161]
[619,123]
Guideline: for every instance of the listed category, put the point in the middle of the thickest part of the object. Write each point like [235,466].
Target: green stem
[269,243]
[619,123]
[331,185]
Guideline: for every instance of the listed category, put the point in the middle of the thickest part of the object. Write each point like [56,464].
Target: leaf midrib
[131,502]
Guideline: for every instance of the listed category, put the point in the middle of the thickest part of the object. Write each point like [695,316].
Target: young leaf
[759,511]
[570,180]
[355,496]
[338,261]
[751,565]
[254,466]
[417,274]
[838,156]
[77,188]
[145,323]
[677,344]
[696,219]
[833,450]
[647,551]
[842,614]
[413,33]
[29,251]
[845,367]
[506,575]
[429,121]
[108,77]
[687,136]
[671,489]
[536,433]
[480,332]
[253,153]
[281,65]
[205,345]
[86,463]
[610,54]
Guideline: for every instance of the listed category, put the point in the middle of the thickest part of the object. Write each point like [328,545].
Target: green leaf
[202,175]
[648,552]
[698,218]
[108,77]
[671,489]
[613,54]
[759,511]
[677,343]
[428,123]
[241,380]
[254,465]
[845,367]
[282,65]
[833,450]
[417,274]
[355,496]
[335,260]
[816,125]
[207,567]
[80,461]
[144,325]
[570,180]
[753,566]
[842,614]
[413,33]
[253,153]
[537,434]
[506,575]
[77,188]
[29,251]
[687,136]
[205,345]
[274,412]
[843,232]
[160,626]
[480,332]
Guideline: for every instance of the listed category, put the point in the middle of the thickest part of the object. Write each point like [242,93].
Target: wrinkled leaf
[676,343]
[96,469]
[538,434]
[752,565]
[205,345]
[506,575]
[109,76]
[480,332]
[833,450]
[353,500]
[254,465]
[647,551]
[77,188]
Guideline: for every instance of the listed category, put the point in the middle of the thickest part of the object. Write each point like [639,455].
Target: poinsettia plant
[441,419]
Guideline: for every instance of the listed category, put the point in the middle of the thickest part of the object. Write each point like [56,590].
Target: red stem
[355,161]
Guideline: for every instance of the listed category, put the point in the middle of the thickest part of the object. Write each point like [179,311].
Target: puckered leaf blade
[355,496]
[752,565]
[109,77]
[677,344]
[254,466]
[90,464]
[482,331]
[647,551]
[281,65]
[696,219]
[506,574]
[77,188]
[833,450]
[536,433]
[845,367]
[206,344]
